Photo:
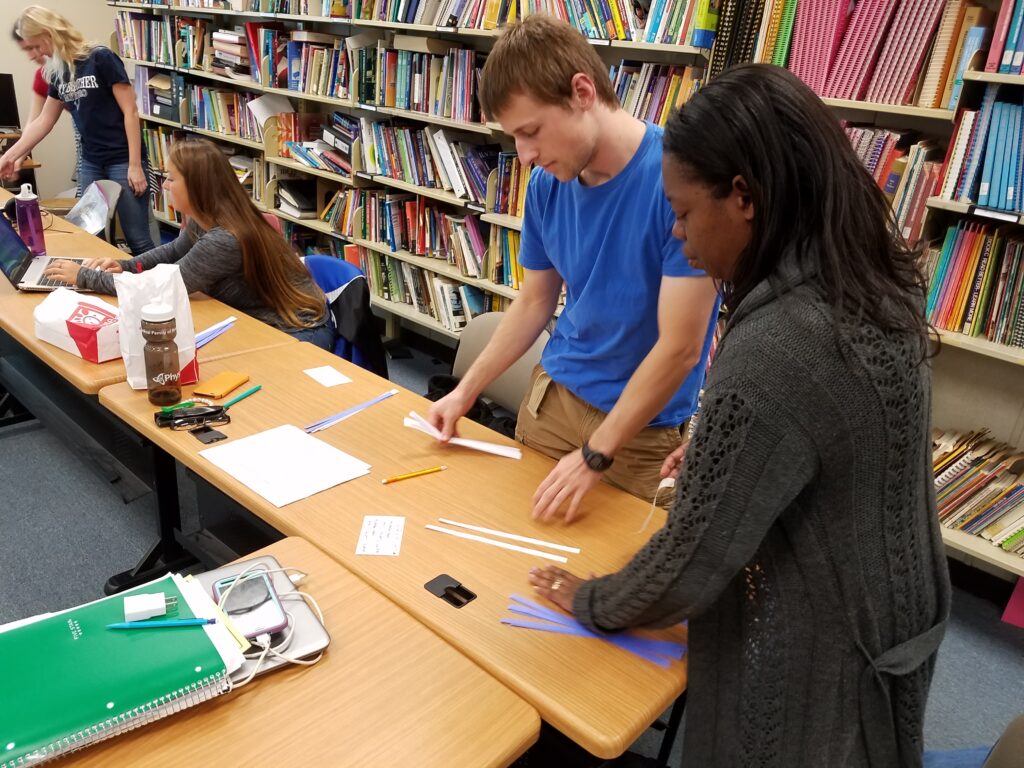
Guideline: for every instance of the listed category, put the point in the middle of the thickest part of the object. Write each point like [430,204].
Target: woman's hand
[103,265]
[137,180]
[557,585]
[65,271]
[674,461]
[9,166]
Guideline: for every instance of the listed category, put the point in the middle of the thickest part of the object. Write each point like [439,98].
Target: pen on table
[242,396]
[184,404]
[161,623]
[417,473]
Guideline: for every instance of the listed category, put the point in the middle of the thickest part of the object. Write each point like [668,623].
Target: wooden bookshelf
[977,548]
[295,165]
[164,220]
[970,209]
[945,115]
[409,312]
[984,347]
[994,77]
[503,220]
[228,137]
[159,121]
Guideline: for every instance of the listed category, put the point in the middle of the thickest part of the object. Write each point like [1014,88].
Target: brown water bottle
[161,354]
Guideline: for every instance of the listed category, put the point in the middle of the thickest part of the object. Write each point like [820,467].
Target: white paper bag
[160,285]
[85,326]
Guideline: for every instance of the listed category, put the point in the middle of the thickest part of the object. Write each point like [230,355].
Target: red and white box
[85,326]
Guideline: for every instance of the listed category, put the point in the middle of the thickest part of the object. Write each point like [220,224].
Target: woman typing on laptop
[227,250]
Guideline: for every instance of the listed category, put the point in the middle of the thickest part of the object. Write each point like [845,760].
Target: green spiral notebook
[66,681]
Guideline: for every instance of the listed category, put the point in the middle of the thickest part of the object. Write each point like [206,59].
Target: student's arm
[125,96]
[38,100]
[34,132]
[522,324]
[98,274]
[684,311]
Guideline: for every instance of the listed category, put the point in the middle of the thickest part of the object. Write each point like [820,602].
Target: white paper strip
[513,536]
[502,544]
[417,422]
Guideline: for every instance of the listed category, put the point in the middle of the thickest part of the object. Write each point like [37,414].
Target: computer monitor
[8,102]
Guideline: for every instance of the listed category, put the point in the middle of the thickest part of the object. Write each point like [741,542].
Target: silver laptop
[309,638]
[24,270]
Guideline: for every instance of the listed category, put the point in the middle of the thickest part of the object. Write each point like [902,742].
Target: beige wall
[57,151]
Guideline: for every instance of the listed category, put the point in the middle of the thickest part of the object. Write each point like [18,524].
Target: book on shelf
[979,487]
[652,91]
[976,283]
[146,37]
[297,197]
[69,681]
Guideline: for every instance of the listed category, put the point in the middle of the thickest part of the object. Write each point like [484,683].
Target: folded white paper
[417,422]
[285,464]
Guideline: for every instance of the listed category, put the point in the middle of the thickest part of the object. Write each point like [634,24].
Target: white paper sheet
[417,422]
[381,535]
[285,464]
[327,375]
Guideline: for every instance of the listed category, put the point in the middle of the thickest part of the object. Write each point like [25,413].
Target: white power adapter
[142,607]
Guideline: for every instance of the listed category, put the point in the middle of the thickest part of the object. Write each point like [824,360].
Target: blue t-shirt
[90,99]
[611,244]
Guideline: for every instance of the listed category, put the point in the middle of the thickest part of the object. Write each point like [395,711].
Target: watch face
[596,461]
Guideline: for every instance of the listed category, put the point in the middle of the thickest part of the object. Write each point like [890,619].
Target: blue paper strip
[579,631]
[316,426]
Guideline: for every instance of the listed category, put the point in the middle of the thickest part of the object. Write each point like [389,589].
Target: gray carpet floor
[66,531]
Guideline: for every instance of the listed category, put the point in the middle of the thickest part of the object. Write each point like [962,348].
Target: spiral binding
[176,701]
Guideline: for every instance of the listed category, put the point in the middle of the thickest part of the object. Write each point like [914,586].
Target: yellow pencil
[417,473]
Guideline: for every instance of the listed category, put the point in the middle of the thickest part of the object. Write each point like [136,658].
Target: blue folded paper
[316,426]
[660,652]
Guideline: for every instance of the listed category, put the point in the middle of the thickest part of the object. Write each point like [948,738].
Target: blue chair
[348,298]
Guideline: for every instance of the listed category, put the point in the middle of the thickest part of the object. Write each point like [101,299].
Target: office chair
[508,389]
[348,299]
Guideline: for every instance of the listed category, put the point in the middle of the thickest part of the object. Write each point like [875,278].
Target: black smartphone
[207,435]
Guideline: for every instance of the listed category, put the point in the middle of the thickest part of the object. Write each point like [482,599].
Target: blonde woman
[91,81]
[227,250]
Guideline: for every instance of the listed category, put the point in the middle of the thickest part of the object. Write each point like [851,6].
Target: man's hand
[557,585]
[570,480]
[674,461]
[65,271]
[137,180]
[103,265]
[446,412]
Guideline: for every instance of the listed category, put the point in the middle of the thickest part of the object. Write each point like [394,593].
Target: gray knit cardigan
[803,546]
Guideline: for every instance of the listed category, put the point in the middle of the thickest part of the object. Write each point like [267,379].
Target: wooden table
[65,239]
[598,695]
[387,692]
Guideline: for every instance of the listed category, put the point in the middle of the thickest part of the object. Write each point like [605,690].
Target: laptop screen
[12,249]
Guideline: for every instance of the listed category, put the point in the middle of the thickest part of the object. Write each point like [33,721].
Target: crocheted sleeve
[746,463]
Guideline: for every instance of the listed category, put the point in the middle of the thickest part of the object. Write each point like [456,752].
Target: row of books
[976,283]
[652,91]
[426,157]
[983,163]
[1006,55]
[885,51]
[221,110]
[450,303]
[419,74]
[318,64]
[147,37]
[979,487]
[510,191]
[906,172]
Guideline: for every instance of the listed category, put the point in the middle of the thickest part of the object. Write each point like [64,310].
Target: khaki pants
[555,422]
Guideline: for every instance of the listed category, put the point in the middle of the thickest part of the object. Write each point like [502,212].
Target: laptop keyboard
[53,282]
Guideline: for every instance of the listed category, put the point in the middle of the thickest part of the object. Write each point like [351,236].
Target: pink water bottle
[30,222]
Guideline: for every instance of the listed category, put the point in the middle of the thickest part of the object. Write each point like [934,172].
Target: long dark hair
[269,265]
[813,199]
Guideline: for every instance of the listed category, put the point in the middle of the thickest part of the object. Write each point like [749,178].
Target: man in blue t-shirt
[622,371]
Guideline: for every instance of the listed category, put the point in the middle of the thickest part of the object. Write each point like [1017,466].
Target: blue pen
[161,623]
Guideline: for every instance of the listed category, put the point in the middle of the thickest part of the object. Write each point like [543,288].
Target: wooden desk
[387,692]
[595,693]
[64,239]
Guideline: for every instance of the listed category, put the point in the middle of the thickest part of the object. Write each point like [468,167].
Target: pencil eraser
[141,607]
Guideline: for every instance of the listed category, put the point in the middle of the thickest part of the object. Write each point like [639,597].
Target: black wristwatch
[596,460]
